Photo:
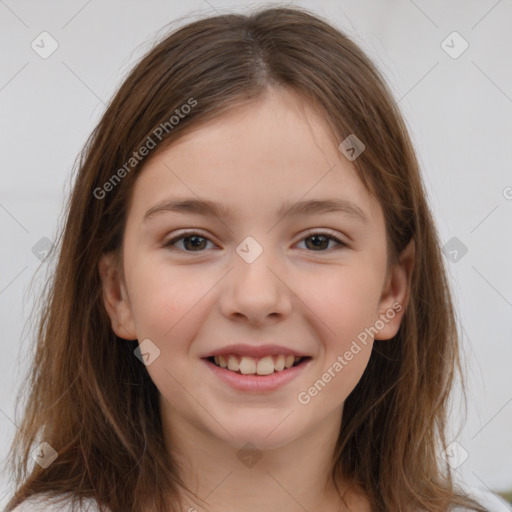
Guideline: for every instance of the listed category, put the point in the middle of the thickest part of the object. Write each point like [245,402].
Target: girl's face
[254,275]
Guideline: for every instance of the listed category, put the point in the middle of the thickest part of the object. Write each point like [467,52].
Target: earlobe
[396,292]
[115,297]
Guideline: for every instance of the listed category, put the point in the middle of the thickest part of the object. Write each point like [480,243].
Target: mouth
[257,366]
[257,375]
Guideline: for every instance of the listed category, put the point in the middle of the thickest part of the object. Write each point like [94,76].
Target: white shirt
[489,500]
[40,504]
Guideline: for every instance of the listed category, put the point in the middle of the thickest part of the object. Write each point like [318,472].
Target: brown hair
[94,402]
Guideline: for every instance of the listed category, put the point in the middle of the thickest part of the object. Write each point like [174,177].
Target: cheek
[344,299]
[162,298]
[343,303]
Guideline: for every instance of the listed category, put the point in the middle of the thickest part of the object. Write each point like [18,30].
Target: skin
[253,159]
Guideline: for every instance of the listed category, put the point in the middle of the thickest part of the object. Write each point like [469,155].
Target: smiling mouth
[245,365]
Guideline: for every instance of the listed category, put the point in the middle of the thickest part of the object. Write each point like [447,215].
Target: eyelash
[188,234]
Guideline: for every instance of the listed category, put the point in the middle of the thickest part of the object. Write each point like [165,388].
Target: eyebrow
[206,207]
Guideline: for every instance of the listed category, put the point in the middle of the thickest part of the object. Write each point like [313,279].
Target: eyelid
[340,239]
[322,231]
[185,233]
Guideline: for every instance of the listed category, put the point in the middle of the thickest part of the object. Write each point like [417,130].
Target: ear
[115,297]
[395,293]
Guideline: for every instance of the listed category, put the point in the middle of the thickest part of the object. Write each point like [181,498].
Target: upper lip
[254,351]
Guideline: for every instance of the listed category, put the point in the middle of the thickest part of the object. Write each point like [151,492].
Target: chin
[266,434]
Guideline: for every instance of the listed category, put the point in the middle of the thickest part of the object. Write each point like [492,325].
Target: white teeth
[233,364]
[265,366]
[247,365]
[251,366]
[289,361]
[279,364]
[220,361]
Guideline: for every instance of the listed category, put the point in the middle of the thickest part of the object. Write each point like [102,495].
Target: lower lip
[257,383]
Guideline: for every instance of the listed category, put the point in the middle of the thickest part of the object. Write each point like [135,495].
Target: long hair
[92,400]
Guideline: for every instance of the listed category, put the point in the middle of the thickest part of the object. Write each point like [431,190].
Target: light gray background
[459,112]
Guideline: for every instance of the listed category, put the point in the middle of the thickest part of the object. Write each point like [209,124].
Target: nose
[257,292]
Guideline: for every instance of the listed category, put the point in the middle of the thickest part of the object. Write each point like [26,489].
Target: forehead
[253,159]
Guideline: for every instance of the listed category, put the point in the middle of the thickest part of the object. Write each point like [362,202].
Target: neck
[292,477]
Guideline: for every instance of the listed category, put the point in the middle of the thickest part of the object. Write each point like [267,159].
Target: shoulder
[492,502]
[45,503]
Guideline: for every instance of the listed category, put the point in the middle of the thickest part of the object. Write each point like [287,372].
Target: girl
[250,310]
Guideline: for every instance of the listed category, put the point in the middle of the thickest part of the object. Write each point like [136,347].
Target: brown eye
[192,242]
[319,242]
